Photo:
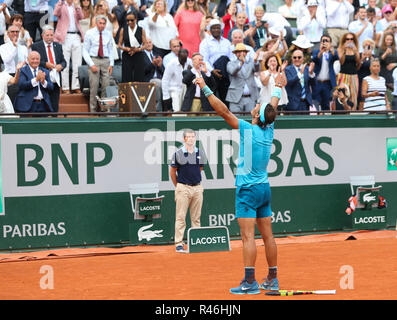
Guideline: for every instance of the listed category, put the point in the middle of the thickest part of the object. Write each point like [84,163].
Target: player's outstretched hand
[200,81]
[281,79]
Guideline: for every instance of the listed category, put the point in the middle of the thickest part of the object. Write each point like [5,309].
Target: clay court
[159,273]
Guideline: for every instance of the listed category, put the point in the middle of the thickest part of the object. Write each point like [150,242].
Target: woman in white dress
[267,78]
[5,81]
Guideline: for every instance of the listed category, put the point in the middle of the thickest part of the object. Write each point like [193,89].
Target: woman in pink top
[188,21]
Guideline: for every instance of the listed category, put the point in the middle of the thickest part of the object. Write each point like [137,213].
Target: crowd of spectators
[335,54]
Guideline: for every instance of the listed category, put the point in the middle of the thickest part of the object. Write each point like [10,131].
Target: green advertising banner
[391,146]
[67,182]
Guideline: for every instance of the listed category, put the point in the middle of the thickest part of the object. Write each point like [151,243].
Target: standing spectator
[154,71]
[175,46]
[216,51]
[374,89]
[98,54]
[394,94]
[188,21]
[162,28]
[313,23]
[243,91]
[388,58]
[123,9]
[12,53]
[172,82]
[268,81]
[24,36]
[34,86]
[4,21]
[195,100]
[259,28]
[350,61]
[338,18]
[88,13]
[70,35]
[300,83]
[34,12]
[362,28]
[324,59]
[303,44]
[185,172]
[132,42]
[229,19]
[372,4]
[238,37]
[242,24]
[51,58]
[288,10]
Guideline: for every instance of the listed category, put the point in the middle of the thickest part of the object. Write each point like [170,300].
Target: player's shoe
[246,288]
[270,284]
[180,249]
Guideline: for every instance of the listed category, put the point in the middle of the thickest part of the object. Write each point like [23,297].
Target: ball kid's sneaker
[246,288]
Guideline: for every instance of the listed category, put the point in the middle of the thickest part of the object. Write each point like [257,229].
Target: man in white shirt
[4,20]
[98,54]
[362,28]
[12,53]
[175,46]
[172,85]
[35,10]
[338,18]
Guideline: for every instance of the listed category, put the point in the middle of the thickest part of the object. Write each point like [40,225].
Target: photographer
[340,100]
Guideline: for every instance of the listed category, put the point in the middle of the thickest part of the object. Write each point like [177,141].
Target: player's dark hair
[270,116]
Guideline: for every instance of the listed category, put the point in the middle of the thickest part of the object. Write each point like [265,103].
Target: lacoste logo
[368,198]
[143,233]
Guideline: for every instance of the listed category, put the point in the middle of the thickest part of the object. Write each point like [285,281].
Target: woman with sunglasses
[188,21]
[132,43]
[88,13]
[350,62]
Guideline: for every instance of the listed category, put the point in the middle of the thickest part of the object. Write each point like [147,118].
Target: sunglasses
[297,58]
[190,0]
[349,39]
[128,20]
[14,31]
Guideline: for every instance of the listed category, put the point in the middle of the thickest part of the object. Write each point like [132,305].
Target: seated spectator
[175,46]
[267,77]
[195,100]
[243,91]
[162,28]
[324,59]
[6,80]
[172,84]
[70,35]
[4,21]
[242,24]
[313,22]
[98,54]
[188,21]
[154,71]
[394,94]
[132,42]
[363,28]
[300,83]
[216,51]
[24,36]
[341,100]
[51,58]
[338,17]
[350,61]
[34,86]
[366,56]
[374,89]
[12,53]
[388,58]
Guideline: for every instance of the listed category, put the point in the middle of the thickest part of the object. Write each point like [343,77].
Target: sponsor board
[208,239]
[369,219]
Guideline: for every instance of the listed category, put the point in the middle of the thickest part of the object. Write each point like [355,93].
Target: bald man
[34,87]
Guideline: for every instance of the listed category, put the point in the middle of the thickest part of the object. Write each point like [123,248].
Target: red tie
[50,55]
[100,50]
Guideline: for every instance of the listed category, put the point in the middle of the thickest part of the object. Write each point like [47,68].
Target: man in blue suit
[300,83]
[34,86]
[324,59]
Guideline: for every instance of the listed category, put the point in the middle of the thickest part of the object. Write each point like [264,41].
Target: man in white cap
[243,90]
[313,22]
[216,50]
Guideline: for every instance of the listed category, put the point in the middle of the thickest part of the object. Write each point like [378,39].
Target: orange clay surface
[159,273]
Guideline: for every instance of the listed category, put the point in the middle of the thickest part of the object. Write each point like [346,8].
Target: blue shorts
[253,201]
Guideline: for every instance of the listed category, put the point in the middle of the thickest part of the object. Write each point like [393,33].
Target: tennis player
[253,196]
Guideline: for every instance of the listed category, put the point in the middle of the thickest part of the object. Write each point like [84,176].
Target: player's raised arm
[220,108]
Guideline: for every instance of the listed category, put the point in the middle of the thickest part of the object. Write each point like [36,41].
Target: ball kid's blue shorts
[253,201]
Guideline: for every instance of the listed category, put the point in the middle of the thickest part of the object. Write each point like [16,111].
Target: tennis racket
[298,292]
